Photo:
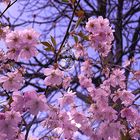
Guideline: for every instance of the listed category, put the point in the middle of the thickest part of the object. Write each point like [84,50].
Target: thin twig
[8,6]
[29,127]
[67,32]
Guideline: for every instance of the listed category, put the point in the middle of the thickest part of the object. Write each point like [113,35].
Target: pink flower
[53,118]
[126,97]
[15,117]
[12,81]
[66,82]
[54,77]
[137,75]
[18,103]
[103,22]
[102,112]
[86,68]
[135,132]
[117,78]
[106,86]
[7,128]
[92,25]
[130,114]
[30,37]
[28,51]
[79,50]
[67,99]
[67,126]
[30,101]
[13,39]
[109,114]
[110,130]
[13,53]
[87,130]
[3,32]
[35,103]
[9,125]
[78,117]
[101,35]
[84,81]
[2,56]
[21,44]
[6,1]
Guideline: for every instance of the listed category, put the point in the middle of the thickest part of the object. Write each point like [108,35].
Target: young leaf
[53,41]
[76,39]
[80,13]
[49,46]
[65,1]
[78,22]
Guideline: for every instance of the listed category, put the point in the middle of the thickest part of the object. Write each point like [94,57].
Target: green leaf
[125,137]
[80,13]
[75,38]
[53,41]
[86,38]
[48,49]
[78,22]
[83,36]
[49,46]
[65,1]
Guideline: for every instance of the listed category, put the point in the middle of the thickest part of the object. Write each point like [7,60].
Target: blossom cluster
[101,35]
[12,81]
[21,44]
[108,111]
[30,101]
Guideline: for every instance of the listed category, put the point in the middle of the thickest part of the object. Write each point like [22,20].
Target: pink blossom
[3,32]
[106,86]
[137,75]
[12,81]
[78,117]
[13,39]
[101,35]
[110,130]
[52,119]
[28,51]
[13,53]
[6,1]
[54,77]
[117,78]
[79,50]
[84,81]
[67,126]
[15,117]
[2,55]
[126,97]
[30,37]
[9,125]
[31,101]
[86,68]
[100,112]
[18,103]
[103,22]
[130,114]
[35,103]
[66,82]
[87,129]
[135,132]
[21,44]
[92,25]
[67,99]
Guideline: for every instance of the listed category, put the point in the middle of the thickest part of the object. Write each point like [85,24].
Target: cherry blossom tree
[83,84]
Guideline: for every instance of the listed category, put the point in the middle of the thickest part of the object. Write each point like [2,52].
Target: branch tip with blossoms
[110,112]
